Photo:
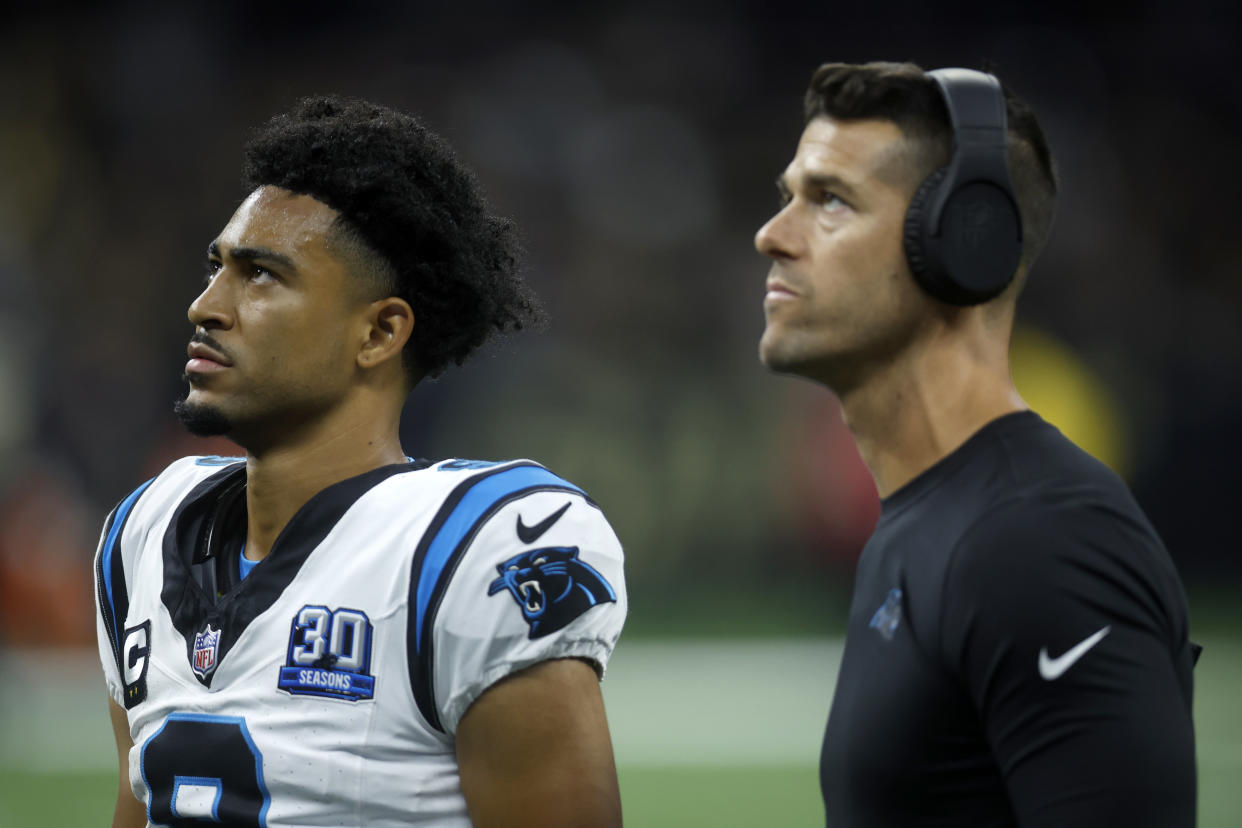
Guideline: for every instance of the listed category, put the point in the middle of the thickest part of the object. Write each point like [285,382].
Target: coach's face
[273,323]
[840,299]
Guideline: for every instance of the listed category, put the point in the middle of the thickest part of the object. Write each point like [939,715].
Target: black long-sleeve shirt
[1017,651]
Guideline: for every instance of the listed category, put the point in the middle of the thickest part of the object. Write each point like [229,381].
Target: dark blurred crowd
[636,149]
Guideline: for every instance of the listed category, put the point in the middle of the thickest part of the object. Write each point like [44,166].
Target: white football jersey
[326,687]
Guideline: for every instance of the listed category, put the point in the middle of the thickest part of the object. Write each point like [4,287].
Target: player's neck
[283,476]
[925,405]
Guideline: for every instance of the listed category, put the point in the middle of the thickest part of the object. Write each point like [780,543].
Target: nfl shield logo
[206,645]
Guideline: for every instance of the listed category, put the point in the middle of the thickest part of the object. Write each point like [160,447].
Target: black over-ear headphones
[963,231]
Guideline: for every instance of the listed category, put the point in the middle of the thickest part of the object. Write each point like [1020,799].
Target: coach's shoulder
[1066,525]
[1010,543]
[1044,558]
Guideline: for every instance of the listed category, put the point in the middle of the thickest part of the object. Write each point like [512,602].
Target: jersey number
[201,768]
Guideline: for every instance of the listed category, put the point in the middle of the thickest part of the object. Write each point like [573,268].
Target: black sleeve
[1068,628]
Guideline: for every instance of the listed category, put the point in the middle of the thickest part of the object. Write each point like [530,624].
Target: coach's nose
[779,237]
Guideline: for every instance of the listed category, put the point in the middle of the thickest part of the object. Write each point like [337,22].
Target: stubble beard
[202,420]
[262,420]
[841,366]
[793,350]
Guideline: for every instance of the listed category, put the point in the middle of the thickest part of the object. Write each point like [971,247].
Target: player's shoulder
[456,496]
[480,483]
[194,468]
[170,486]
[455,470]
[148,506]
[516,565]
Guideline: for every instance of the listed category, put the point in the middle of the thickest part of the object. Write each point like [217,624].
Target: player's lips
[204,359]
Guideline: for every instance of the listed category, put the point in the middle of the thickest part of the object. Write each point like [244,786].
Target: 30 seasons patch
[329,654]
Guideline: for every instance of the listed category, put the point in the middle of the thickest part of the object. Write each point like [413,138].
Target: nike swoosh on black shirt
[530,534]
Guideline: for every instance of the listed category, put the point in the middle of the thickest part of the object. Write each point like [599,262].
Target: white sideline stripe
[54,712]
[677,702]
[674,702]
[720,702]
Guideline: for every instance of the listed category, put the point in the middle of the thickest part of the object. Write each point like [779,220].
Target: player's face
[840,298]
[271,348]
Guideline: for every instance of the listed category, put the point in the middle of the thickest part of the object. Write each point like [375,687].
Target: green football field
[714,733]
[652,796]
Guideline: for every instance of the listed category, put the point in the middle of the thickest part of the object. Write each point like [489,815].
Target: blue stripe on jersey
[114,533]
[477,502]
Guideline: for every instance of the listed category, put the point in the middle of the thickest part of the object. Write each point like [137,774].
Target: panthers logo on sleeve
[552,587]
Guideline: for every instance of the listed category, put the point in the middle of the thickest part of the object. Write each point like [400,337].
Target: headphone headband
[963,233]
[976,105]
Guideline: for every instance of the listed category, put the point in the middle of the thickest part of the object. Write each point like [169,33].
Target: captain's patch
[329,655]
[135,658]
[552,587]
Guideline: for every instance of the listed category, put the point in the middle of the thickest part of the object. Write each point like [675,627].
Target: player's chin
[208,396]
[201,418]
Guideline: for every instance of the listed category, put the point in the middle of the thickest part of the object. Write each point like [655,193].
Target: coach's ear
[387,326]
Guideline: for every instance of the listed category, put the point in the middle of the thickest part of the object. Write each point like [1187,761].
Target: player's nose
[211,308]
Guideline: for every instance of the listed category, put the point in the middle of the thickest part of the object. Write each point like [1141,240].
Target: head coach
[1017,649]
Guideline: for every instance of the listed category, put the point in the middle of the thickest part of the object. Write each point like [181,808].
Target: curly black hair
[402,192]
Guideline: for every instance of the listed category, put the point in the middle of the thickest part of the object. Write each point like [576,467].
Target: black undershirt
[1016,543]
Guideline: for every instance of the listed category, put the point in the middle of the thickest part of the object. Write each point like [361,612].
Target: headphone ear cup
[925,265]
[971,257]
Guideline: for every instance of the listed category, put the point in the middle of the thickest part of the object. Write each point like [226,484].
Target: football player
[326,632]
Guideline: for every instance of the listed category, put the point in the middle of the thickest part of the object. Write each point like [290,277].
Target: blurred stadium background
[636,148]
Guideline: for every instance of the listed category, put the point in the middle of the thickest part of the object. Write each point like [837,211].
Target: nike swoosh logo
[530,534]
[1052,668]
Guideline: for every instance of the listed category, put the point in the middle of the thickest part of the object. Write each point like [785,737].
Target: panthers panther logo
[551,586]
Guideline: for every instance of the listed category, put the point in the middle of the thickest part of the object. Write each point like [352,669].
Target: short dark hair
[416,210]
[904,94]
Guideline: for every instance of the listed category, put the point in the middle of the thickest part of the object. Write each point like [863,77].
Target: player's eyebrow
[252,254]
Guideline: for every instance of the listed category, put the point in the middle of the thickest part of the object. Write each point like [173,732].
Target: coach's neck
[932,397]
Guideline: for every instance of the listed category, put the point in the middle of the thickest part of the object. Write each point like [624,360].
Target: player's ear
[388,325]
